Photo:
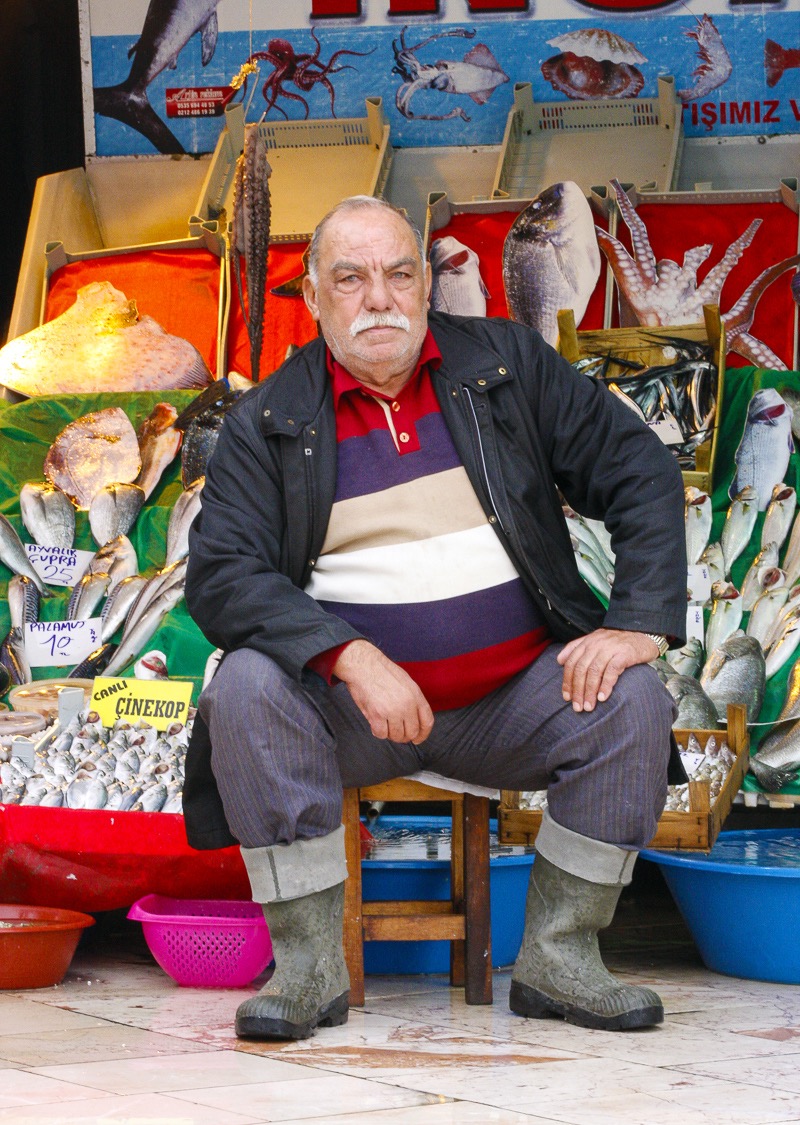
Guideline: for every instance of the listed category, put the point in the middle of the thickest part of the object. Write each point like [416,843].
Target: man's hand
[387,697]
[594,663]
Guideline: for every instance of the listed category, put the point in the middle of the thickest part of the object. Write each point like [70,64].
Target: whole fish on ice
[551,259]
[100,344]
[766,445]
[457,285]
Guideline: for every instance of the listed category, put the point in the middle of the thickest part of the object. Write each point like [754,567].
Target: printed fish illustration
[777,59]
[168,27]
[594,63]
[476,75]
[714,67]
[458,287]
[550,259]
[766,445]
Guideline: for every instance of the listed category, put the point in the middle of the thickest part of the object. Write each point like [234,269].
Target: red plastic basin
[37,944]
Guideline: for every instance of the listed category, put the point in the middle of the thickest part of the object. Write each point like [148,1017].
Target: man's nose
[378,294]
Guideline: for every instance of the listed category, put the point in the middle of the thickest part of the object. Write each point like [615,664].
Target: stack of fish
[89,766]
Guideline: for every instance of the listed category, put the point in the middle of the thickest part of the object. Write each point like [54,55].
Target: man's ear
[310,297]
[428,282]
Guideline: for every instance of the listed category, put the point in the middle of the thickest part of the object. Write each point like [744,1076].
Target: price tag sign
[58,566]
[61,643]
[694,623]
[157,702]
[691,762]
[668,430]
[698,584]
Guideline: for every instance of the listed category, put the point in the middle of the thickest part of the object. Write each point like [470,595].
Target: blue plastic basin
[742,902]
[429,878]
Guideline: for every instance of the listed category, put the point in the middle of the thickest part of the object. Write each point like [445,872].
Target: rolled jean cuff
[592,860]
[286,871]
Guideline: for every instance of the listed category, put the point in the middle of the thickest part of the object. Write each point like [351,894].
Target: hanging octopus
[303,70]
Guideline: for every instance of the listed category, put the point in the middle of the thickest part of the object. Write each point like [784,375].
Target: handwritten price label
[60,643]
[694,623]
[58,566]
[698,583]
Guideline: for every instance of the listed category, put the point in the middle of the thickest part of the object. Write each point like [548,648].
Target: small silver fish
[698,514]
[780,514]
[714,559]
[14,556]
[765,611]
[686,661]
[181,518]
[756,580]
[83,794]
[781,650]
[119,602]
[23,601]
[726,614]
[739,523]
[86,595]
[48,514]
[134,638]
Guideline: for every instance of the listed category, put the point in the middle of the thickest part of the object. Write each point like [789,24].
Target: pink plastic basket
[205,943]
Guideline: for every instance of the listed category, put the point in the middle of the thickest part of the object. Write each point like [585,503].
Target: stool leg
[457,948]
[477,908]
[353,917]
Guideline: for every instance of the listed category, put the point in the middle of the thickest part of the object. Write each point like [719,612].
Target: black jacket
[525,424]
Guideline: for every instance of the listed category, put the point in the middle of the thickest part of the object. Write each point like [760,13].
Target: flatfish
[98,449]
[100,344]
[48,514]
[457,285]
[551,259]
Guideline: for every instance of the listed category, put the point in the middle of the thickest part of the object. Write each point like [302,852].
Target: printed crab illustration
[664,292]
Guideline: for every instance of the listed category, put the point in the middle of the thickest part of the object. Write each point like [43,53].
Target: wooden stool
[464,921]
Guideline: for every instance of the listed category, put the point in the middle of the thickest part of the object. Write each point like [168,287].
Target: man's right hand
[387,697]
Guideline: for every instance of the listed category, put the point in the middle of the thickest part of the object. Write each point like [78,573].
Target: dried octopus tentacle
[741,314]
[628,273]
[640,241]
[709,291]
[251,223]
[759,353]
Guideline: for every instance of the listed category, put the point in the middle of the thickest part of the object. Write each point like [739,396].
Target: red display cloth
[485,234]
[674,228]
[93,859]
[177,288]
[286,319]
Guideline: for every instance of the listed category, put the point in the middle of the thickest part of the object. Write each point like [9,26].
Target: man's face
[371,297]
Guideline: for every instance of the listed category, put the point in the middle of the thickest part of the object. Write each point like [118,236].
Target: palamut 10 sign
[159,703]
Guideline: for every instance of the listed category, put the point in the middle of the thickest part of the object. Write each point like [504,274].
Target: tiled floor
[118,1041]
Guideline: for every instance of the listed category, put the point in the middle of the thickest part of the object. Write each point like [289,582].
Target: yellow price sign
[156,702]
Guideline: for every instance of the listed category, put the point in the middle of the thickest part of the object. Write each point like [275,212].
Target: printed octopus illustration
[659,293]
[476,75]
[304,70]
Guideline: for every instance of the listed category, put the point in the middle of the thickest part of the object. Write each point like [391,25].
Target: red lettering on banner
[708,114]
[413,7]
[795,109]
[740,112]
[498,5]
[771,117]
[626,5]
[737,113]
[320,9]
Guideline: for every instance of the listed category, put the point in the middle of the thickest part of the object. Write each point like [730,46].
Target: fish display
[765,611]
[113,511]
[766,445]
[664,292]
[740,520]
[125,767]
[159,441]
[457,285]
[726,614]
[550,259]
[475,76]
[181,518]
[735,672]
[780,515]
[594,63]
[96,450]
[698,515]
[695,710]
[13,555]
[777,60]
[100,344]
[168,27]
[762,574]
[200,437]
[687,660]
[714,67]
[250,237]
[48,514]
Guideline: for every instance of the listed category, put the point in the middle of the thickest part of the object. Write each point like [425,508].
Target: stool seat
[464,920]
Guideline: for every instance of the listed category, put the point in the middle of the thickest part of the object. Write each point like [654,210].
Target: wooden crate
[640,343]
[693,831]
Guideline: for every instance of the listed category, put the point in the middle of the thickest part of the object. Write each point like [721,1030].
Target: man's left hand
[593,664]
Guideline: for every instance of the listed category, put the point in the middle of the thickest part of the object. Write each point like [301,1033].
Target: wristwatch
[660,640]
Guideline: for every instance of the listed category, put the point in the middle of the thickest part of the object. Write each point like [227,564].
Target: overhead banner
[158,75]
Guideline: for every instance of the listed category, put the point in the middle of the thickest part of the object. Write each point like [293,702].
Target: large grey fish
[777,761]
[168,27]
[136,636]
[780,514]
[159,441]
[118,604]
[739,523]
[766,445]
[687,660]
[695,710]
[551,259]
[48,514]
[250,237]
[697,517]
[735,672]
[113,510]
[12,555]
[726,614]
[457,285]
[181,518]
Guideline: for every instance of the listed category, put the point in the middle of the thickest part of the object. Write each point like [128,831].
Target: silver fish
[113,511]
[159,442]
[181,518]
[756,581]
[551,259]
[116,558]
[765,611]
[152,799]
[714,559]
[118,604]
[135,637]
[739,523]
[457,285]
[23,601]
[695,710]
[86,595]
[790,609]
[784,647]
[590,572]
[48,514]
[12,555]
[687,660]
[726,614]
[780,514]
[83,794]
[698,515]
[777,761]
[791,558]
[582,531]
[735,672]
[766,445]
[13,658]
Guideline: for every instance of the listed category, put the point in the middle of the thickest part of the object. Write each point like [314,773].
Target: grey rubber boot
[559,971]
[309,987]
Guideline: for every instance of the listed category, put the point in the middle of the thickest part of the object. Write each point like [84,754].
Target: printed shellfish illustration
[594,63]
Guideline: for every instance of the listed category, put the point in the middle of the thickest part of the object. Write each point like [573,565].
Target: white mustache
[366,320]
